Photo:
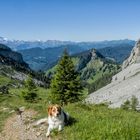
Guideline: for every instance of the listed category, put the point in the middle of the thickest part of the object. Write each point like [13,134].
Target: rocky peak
[134,56]
[95,54]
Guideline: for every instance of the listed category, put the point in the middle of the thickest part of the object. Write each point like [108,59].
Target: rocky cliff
[134,56]
[11,58]
[124,85]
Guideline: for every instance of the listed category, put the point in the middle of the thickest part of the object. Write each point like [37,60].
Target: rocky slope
[124,85]
[13,67]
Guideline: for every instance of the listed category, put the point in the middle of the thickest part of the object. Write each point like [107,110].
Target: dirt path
[22,128]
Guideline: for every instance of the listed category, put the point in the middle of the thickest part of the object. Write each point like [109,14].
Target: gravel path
[22,128]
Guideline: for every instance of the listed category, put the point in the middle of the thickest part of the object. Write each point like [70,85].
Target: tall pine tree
[66,85]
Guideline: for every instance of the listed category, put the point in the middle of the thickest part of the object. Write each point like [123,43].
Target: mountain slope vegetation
[93,67]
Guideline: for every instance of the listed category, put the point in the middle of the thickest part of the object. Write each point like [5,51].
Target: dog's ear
[50,110]
[58,107]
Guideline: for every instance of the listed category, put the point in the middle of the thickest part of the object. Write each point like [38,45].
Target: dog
[57,118]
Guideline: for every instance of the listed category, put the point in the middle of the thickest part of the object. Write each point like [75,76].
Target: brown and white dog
[57,118]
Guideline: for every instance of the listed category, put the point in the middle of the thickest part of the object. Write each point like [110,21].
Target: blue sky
[75,20]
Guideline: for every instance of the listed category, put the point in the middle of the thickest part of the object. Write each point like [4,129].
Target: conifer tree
[66,84]
[29,93]
[29,83]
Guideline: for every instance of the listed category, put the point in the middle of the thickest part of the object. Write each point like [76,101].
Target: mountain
[21,44]
[14,70]
[41,59]
[93,67]
[9,57]
[118,53]
[41,54]
[124,85]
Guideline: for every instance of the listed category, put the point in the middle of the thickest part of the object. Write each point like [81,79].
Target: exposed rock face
[95,54]
[11,58]
[124,85]
[134,56]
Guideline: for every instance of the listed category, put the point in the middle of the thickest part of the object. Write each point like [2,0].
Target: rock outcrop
[134,56]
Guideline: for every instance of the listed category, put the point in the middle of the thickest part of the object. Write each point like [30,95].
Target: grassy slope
[90,122]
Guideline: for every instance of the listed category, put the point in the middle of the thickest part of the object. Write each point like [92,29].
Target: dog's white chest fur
[55,122]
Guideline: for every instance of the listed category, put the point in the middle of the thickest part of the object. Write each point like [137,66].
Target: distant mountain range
[21,44]
[40,55]
[42,59]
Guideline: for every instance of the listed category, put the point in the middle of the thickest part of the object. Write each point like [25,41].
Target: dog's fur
[57,118]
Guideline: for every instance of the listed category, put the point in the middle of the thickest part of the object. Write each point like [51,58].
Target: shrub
[134,103]
[29,96]
[4,90]
[130,104]
[126,105]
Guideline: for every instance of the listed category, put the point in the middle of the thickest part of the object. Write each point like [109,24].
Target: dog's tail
[41,121]
[66,117]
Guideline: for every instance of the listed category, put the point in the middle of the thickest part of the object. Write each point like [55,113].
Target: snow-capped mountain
[22,45]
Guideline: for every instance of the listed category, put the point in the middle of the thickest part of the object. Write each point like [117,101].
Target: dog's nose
[57,114]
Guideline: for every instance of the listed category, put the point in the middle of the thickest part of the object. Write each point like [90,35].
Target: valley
[95,70]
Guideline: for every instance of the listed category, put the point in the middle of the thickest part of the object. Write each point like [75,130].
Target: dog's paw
[60,128]
[47,134]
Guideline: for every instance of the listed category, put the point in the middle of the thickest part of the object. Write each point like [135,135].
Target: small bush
[4,90]
[132,104]
[29,96]
[126,105]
